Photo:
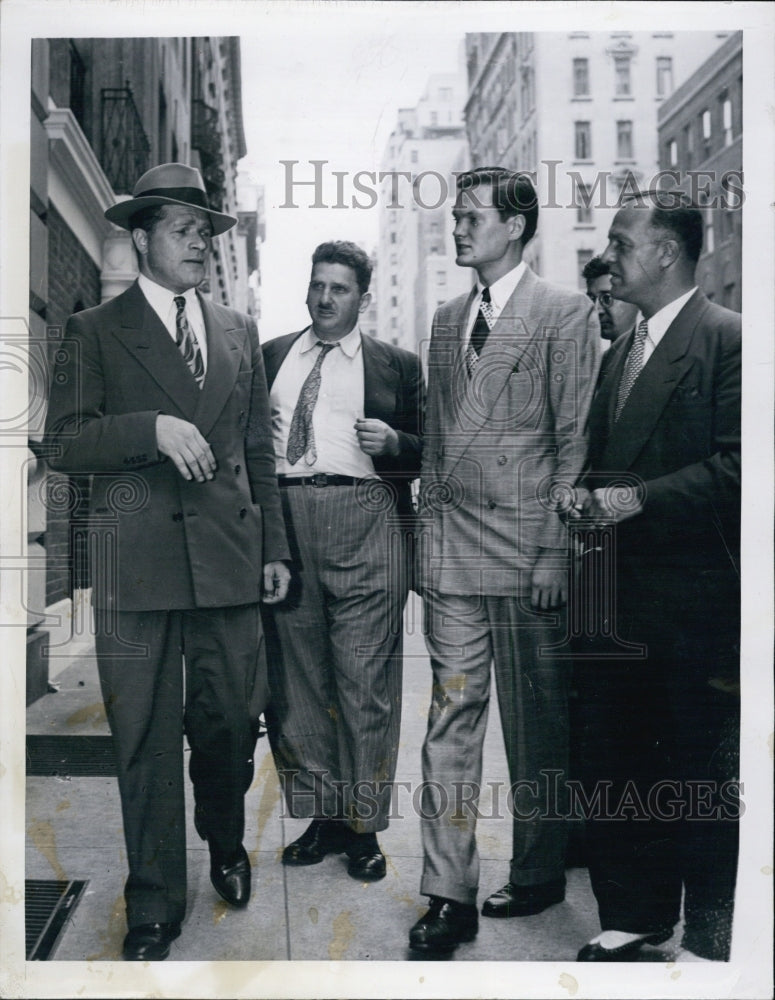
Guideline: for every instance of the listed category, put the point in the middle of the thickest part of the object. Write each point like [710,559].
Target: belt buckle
[319,479]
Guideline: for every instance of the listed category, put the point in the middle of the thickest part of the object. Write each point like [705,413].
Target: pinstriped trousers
[335,650]
[466,636]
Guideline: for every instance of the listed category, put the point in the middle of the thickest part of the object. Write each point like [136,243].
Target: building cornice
[79,188]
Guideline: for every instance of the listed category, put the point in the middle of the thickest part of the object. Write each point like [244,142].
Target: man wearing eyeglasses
[616,317]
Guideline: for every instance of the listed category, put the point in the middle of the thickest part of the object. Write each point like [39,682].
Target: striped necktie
[187,342]
[301,436]
[632,367]
[484,323]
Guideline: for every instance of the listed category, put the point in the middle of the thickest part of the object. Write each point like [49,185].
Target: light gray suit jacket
[499,446]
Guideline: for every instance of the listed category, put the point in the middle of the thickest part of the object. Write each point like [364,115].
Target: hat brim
[121,213]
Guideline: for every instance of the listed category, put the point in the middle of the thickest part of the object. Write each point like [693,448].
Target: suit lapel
[652,390]
[146,338]
[507,344]
[225,348]
[380,383]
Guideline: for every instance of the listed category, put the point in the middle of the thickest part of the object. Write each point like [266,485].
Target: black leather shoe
[322,837]
[231,877]
[367,862]
[523,900]
[446,925]
[595,952]
[149,942]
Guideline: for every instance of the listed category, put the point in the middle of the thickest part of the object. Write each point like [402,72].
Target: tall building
[579,109]
[701,130]
[105,110]
[417,267]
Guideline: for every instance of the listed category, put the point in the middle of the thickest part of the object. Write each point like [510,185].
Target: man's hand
[600,507]
[277,576]
[575,511]
[375,437]
[182,442]
[549,582]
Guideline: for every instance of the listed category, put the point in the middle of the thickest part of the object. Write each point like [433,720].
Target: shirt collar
[659,323]
[502,289]
[350,344]
[161,298]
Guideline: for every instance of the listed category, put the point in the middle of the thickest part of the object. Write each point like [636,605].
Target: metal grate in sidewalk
[48,905]
[71,756]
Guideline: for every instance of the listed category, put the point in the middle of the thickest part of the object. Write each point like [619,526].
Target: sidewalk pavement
[73,831]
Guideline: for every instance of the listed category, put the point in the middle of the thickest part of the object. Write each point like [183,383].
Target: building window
[706,128]
[726,116]
[689,146]
[672,153]
[622,87]
[583,140]
[393,279]
[434,118]
[441,277]
[445,93]
[664,76]
[393,237]
[394,301]
[582,198]
[581,77]
[624,140]
[414,156]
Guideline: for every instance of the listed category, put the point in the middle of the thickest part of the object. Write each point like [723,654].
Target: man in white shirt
[658,680]
[512,368]
[346,415]
[160,394]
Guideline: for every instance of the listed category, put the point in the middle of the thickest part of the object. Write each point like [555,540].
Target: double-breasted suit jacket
[179,543]
[660,705]
[499,446]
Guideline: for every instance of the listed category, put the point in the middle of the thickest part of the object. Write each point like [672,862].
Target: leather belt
[320,479]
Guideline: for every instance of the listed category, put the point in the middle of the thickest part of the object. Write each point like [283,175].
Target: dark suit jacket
[179,544]
[679,433]
[393,392]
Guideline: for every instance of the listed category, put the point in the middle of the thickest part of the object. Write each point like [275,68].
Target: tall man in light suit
[160,394]
[512,367]
[664,476]
[345,414]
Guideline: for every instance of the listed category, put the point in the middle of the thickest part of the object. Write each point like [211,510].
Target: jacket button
[502,460]
[491,504]
[237,469]
[243,512]
[177,517]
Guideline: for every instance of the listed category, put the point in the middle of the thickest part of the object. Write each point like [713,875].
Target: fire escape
[125,146]
[206,138]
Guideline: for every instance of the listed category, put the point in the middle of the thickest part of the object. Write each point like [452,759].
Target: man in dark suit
[345,415]
[658,678]
[616,316]
[161,395]
[511,373]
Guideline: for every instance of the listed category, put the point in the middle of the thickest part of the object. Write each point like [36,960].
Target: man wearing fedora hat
[161,395]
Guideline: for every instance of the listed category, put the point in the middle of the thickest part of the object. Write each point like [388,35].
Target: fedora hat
[169,184]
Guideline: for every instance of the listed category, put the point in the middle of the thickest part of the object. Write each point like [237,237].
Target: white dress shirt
[162,301]
[660,321]
[500,293]
[339,405]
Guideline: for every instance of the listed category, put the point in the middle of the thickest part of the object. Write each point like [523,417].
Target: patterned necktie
[482,326]
[301,437]
[187,342]
[632,367]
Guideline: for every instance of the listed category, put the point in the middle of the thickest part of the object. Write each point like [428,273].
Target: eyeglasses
[605,298]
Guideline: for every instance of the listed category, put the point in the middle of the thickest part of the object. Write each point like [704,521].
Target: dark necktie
[301,437]
[187,342]
[482,326]
[632,366]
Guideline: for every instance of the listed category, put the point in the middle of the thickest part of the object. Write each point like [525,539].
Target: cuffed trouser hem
[434,886]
